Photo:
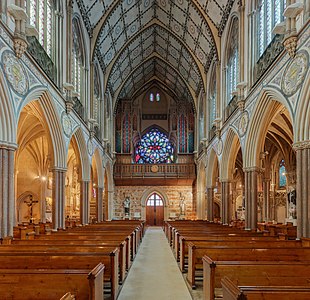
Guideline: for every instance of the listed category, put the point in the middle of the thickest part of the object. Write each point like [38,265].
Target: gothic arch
[269,103]
[53,123]
[7,118]
[145,197]
[301,124]
[83,153]
[98,159]
[213,159]
[230,151]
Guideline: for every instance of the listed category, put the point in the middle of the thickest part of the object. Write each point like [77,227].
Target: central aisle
[154,273]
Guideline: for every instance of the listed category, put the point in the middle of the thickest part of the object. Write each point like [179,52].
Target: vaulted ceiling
[169,42]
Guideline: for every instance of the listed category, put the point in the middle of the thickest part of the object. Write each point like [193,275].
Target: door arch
[155,210]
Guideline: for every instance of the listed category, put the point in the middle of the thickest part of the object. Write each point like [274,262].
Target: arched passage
[232,176]
[267,144]
[213,188]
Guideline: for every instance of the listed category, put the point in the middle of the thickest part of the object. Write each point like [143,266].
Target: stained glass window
[157,97]
[76,56]
[270,14]
[151,97]
[155,200]
[282,174]
[40,16]
[212,100]
[232,61]
[154,148]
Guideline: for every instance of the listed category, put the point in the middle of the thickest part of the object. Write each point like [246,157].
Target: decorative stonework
[294,74]
[14,73]
[66,124]
[219,147]
[90,147]
[243,123]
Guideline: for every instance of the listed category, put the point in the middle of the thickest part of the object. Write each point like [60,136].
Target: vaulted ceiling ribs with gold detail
[171,42]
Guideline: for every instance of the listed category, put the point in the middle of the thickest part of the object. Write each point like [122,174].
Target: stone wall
[139,194]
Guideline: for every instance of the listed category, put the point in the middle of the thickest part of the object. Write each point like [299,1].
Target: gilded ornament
[294,74]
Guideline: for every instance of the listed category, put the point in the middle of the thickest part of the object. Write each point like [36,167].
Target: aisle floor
[154,273]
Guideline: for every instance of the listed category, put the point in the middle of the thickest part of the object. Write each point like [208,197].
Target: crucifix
[30,203]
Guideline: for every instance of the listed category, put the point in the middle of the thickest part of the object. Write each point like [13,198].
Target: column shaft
[7,192]
[210,204]
[84,206]
[100,204]
[58,199]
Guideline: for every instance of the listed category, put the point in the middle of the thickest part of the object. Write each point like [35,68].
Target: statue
[126,205]
[292,203]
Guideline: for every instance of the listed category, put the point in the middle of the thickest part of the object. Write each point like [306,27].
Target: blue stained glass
[157,97]
[282,174]
[153,148]
[151,97]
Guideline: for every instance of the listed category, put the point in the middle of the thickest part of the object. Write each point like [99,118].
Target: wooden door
[155,211]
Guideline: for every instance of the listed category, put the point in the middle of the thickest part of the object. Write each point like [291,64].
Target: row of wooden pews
[238,264]
[85,262]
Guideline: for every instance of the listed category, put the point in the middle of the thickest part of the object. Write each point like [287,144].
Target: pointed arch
[301,124]
[145,196]
[269,103]
[100,175]
[8,122]
[83,153]
[230,151]
[53,122]
[211,167]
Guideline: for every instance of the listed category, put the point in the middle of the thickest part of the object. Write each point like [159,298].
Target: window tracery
[154,147]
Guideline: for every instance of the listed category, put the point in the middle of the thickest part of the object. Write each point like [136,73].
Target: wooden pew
[25,245]
[124,247]
[246,272]
[233,291]
[65,260]
[29,284]
[241,254]
[182,252]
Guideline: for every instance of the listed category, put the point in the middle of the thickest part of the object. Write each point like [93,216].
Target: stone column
[111,212]
[251,197]
[84,205]
[306,10]
[226,203]
[210,203]
[58,193]
[266,199]
[303,188]
[7,192]
[100,204]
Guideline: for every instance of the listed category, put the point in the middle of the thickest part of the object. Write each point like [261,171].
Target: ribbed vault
[184,35]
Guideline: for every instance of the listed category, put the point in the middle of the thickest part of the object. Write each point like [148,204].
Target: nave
[164,281]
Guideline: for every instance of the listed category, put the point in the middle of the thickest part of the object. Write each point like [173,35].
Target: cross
[30,203]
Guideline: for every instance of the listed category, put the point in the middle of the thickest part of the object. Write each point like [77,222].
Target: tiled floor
[154,273]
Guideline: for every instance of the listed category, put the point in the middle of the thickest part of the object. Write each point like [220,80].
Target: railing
[41,57]
[231,107]
[78,107]
[154,171]
[269,55]
[212,133]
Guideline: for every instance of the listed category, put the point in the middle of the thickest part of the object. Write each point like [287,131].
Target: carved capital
[290,44]
[20,45]
[253,169]
[301,145]
[69,106]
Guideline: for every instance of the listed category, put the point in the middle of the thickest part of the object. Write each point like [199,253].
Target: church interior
[118,116]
